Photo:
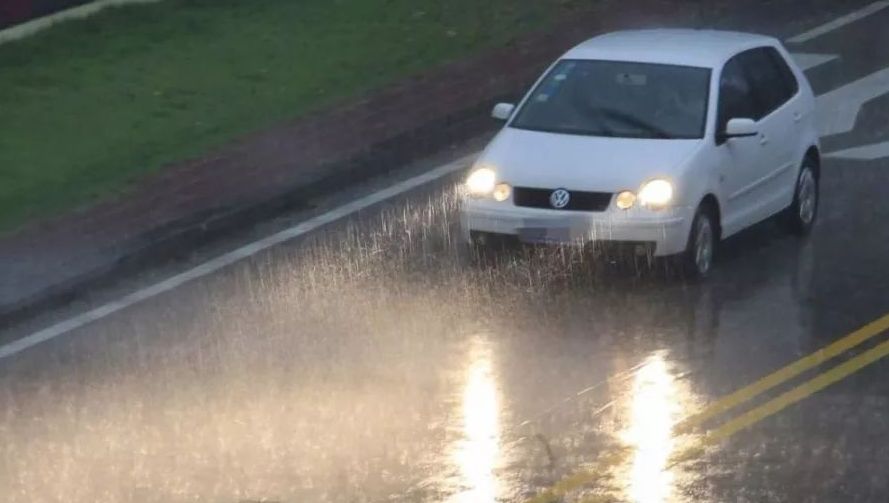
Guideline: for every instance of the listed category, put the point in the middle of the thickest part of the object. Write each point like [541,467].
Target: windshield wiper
[636,122]
[605,132]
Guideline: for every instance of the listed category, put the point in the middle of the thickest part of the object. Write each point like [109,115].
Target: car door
[740,159]
[795,107]
[777,130]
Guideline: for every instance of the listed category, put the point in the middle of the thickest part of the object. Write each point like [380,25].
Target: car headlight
[502,191]
[481,182]
[656,194]
[625,200]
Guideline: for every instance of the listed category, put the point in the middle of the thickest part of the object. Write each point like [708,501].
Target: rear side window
[736,98]
[791,85]
[771,86]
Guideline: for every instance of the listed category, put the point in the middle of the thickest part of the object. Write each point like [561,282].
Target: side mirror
[502,111]
[739,128]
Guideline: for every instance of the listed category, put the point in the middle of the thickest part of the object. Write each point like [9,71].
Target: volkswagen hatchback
[669,140]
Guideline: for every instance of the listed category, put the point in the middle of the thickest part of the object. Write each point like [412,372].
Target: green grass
[90,106]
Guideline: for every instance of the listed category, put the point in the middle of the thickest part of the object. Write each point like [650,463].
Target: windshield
[619,99]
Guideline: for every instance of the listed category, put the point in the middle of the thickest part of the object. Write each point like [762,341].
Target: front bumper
[667,229]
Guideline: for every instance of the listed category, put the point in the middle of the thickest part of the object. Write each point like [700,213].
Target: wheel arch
[711,202]
[813,155]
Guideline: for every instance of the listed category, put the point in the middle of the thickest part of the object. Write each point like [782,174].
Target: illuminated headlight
[656,194]
[625,200]
[481,182]
[501,192]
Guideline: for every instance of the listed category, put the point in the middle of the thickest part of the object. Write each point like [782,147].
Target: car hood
[549,160]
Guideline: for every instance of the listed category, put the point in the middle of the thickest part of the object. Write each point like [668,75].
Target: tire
[465,256]
[703,238]
[800,216]
[475,252]
[471,255]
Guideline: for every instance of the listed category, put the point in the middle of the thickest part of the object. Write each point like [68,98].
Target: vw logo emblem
[559,198]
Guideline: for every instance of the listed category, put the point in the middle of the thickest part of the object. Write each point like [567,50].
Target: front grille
[579,201]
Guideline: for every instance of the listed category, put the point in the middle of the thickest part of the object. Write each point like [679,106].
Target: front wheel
[702,241]
[480,250]
[799,217]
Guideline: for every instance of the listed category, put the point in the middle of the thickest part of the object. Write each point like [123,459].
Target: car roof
[703,48]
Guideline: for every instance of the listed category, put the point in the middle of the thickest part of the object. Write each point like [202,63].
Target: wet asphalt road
[366,363]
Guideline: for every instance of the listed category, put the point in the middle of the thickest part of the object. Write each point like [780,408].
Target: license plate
[545,235]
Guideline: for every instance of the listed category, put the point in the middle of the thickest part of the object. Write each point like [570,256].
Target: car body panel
[704,48]
[525,159]
[759,174]
[667,229]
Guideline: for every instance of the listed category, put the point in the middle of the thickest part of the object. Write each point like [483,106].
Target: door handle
[797,116]
[763,139]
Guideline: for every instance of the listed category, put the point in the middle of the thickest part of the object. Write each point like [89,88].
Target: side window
[770,86]
[791,85]
[736,100]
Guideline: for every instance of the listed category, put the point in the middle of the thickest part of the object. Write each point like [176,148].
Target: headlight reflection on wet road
[478,453]
[653,411]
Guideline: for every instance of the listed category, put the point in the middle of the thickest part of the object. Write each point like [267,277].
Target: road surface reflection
[477,454]
[653,411]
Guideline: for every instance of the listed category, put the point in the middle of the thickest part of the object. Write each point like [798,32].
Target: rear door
[777,126]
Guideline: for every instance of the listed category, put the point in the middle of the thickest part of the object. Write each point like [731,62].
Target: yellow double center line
[765,410]
[789,372]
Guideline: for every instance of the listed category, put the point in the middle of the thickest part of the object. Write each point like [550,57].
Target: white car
[669,140]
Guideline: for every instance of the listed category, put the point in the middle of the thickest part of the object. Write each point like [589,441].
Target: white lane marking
[838,109]
[231,257]
[807,61]
[839,22]
[864,152]
[81,11]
